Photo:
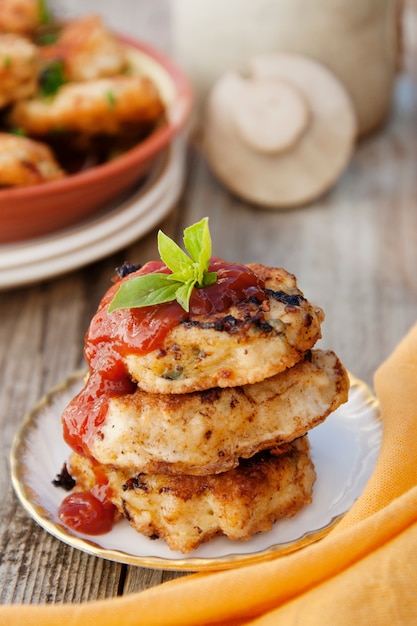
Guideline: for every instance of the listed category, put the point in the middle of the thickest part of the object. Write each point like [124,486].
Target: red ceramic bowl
[30,212]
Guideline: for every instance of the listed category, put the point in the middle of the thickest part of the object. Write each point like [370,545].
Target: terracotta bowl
[37,210]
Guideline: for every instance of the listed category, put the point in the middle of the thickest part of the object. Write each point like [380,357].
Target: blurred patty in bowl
[105,129]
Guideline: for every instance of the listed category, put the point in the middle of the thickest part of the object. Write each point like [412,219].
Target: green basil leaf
[145,290]
[209,279]
[172,255]
[188,272]
[183,294]
[192,239]
[197,241]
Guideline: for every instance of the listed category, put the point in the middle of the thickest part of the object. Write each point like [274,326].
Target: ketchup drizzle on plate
[87,513]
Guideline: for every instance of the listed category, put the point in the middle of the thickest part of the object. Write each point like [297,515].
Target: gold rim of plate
[30,501]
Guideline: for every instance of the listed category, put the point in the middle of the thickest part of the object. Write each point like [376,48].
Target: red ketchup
[86,513]
[111,337]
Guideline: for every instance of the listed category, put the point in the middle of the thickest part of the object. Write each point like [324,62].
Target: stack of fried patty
[213,440]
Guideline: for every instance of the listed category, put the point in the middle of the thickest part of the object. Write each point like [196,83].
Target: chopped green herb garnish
[188,272]
[111,98]
[46,39]
[44,12]
[20,132]
[51,78]
[7,61]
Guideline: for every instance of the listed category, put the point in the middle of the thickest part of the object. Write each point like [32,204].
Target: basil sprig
[188,272]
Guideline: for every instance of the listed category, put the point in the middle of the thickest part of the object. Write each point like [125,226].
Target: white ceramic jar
[358,40]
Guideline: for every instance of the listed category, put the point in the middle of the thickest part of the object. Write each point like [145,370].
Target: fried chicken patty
[107,106]
[19,65]
[24,162]
[244,345]
[186,511]
[207,432]
[87,50]
[19,16]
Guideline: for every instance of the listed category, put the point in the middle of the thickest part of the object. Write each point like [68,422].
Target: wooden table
[354,253]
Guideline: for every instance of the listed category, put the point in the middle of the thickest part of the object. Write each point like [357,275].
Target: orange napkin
[363,573]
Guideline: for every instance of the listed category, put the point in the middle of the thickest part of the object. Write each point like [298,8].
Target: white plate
[117,225]
[344,451]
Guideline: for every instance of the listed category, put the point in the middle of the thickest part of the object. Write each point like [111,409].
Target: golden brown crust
[87,50]
[19,66]
[207,432]
[187,511]
[108,106]
[245,345]
[26,162]
[19,16]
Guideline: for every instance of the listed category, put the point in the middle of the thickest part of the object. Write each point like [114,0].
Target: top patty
[244,345]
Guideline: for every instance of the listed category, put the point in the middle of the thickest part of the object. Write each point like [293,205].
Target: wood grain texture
[354,253]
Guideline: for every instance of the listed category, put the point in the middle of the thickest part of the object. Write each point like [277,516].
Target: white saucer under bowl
[118,224]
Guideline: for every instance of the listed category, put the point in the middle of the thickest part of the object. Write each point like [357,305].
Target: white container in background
[358,40]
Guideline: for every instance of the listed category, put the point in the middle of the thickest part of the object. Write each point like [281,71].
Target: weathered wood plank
[139,578]
[36,568]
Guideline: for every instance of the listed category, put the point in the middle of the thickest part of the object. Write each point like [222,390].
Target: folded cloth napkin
[364,572]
